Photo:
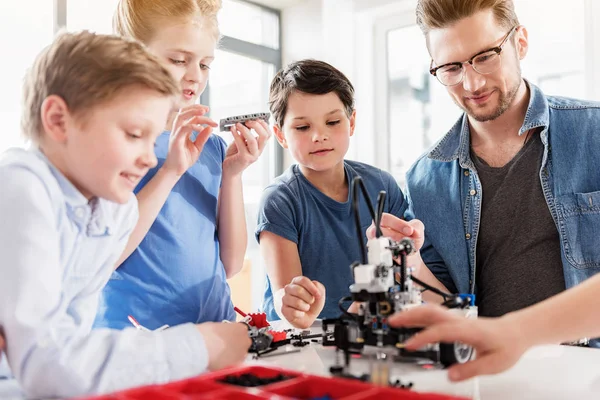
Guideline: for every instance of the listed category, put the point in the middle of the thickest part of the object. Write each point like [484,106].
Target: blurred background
[401,109]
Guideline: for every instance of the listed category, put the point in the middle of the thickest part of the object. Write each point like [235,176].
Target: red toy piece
[278,336]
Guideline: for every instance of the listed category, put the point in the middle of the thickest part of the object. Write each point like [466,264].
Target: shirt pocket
[579,221]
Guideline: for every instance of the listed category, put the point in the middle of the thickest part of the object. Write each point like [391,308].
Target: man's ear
[522,43]
[352,122]
[280,136]
[55,117]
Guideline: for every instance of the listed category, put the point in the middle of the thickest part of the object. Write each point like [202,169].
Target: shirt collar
[456,143]
[94,215]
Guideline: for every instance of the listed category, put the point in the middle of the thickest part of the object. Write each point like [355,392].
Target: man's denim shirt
[444,191]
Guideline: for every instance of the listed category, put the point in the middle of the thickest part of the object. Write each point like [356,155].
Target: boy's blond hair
[139,19]
[436,14]
[87,69]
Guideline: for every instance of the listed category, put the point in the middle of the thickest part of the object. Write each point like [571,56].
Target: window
[556,58]
[92,15]
[31,21]
[239,84]
[249,22]
[419,111]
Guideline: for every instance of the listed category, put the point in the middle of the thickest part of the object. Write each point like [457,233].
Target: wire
[343,310]
[357,182]
[380,205]
[431,288]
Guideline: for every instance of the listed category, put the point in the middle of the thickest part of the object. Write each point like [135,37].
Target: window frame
[229,44]
[261,53]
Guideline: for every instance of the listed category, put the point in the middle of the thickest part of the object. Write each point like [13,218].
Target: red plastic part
[278,336]
[259,320]
[230,394]
[298,386]
[315,386]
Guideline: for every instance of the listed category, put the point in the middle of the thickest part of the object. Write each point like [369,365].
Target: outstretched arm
[500,342]
[297,299]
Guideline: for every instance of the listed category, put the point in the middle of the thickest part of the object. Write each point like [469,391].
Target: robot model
[383,285]
[265,339]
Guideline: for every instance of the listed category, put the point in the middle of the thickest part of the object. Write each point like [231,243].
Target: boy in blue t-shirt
[306,228]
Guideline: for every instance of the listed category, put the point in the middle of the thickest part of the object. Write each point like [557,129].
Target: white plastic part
[364,274]
[378,252]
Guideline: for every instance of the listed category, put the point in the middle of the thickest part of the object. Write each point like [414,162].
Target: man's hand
[183,152]
[227,343]
[398,229]
[303,301]
[245,148]
[497,341]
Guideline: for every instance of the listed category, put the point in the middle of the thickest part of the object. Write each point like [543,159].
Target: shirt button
[79,212]
[473,192]
[468,236]
[466,173]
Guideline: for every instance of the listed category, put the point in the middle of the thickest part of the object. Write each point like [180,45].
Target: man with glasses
[510,196]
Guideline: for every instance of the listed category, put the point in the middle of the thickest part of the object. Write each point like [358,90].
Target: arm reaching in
[500,342]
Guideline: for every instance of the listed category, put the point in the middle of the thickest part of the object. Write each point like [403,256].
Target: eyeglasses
[484,63]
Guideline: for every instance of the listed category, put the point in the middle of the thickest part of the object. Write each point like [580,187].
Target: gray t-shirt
[518,248]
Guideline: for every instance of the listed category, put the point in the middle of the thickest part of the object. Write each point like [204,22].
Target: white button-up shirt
[57,251]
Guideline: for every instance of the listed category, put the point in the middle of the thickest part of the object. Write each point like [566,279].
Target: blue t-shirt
[176,274]
[323,228]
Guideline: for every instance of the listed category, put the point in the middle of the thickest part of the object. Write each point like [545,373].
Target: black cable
[357,181]
[380,205]
[359,234]
[429,287]
[343,310]
[403,271]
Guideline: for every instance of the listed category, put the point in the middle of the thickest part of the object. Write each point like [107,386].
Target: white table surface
[550,372]
[544,373]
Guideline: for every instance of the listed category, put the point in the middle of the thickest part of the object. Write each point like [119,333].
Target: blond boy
[93,108]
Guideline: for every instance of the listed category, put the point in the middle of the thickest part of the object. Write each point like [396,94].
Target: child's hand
[183,152]
[497,341]
[302,302]
[245,148]
[227,343]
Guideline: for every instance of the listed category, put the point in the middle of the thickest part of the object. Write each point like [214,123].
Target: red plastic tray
[296,386]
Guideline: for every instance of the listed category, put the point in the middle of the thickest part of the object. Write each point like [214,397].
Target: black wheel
[455,353]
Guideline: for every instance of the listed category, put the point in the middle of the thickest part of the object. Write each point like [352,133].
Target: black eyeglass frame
[497,50]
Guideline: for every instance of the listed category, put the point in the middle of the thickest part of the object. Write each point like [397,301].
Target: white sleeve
[48,352]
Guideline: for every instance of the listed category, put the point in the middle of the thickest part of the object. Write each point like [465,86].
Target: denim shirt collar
[92,215]
[456,143]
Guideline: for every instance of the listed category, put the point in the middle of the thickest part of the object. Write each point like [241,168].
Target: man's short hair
[85,70]
[311,77]
[436,14]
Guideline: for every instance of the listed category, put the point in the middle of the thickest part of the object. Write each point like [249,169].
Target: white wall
[342,33]
[351,35]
